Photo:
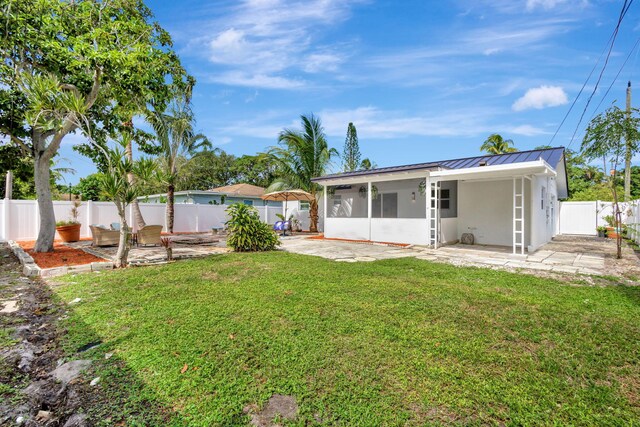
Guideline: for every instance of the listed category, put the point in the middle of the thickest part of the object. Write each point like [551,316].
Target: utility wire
[584,85]
[625,8]
[616,77]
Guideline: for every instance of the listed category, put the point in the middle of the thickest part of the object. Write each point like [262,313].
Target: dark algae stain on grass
[394,342]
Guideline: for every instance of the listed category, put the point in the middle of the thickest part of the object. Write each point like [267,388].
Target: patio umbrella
[286,195]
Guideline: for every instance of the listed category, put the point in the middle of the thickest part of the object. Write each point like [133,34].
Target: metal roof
[549,155]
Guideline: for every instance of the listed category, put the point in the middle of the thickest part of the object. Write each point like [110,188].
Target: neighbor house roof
[245,190]
[550,155]
[235,190]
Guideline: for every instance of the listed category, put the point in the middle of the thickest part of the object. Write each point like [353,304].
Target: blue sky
[421,80]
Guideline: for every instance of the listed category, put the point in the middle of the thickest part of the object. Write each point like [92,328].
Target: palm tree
[174,129]
[303,155]
[495,144]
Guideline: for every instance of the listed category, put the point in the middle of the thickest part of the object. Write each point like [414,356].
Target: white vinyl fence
[19,219]
[582,218]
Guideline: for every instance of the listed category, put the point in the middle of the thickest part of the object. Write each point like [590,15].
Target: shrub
[247,232]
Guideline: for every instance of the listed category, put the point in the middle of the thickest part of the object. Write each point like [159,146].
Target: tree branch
[23,146]
[93,95]
[71,122]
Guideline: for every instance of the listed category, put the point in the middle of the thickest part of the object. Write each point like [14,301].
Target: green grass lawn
[397,342]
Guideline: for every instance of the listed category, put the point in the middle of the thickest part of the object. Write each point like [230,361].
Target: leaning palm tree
[303,155]
[174,129]
[496,144]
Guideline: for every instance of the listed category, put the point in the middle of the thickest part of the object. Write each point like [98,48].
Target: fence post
[5,218]
[266,213]
[132,226]
[89,216]
[197,218]
[37,218]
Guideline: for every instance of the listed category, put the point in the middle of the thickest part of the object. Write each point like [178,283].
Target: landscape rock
[10,306]
[43,416]
[69,371]
[77,420]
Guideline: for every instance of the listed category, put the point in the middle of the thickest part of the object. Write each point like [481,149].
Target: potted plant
[69,231]
[611,230]
[602,231]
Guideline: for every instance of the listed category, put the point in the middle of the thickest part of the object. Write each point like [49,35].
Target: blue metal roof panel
[549,155]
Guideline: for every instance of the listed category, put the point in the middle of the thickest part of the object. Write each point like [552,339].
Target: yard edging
[31,269]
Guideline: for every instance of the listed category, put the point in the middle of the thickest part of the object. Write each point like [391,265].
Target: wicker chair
[103,236]
[149,235]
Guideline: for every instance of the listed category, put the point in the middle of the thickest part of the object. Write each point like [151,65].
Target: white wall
[19,219]
[347,228]
[399,230]
[544,213]
[485,208]
[449,230]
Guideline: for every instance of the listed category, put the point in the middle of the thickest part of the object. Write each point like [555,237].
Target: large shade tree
[496,144]
[71,66]
[174,128]
[301,156]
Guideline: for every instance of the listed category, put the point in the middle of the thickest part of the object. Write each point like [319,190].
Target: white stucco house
[505,199]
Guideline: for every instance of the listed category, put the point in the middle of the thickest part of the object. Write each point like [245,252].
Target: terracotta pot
[69,233]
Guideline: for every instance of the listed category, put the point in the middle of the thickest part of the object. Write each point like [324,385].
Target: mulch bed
[62,255]
[369,242]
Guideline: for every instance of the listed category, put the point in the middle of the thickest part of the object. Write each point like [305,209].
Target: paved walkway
[184,246]
[565,254]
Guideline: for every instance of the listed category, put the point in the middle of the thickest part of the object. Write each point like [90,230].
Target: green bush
[246,232]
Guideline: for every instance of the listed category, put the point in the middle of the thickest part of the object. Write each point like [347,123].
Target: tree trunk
[42,177]
[137,214]
[313,215]
[170,211]
[124,244]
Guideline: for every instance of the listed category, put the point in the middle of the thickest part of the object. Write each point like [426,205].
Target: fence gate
[579,218]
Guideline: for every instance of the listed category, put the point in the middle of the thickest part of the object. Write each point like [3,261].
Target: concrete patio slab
[565,254]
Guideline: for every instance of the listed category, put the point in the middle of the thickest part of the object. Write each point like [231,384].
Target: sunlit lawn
[397,342]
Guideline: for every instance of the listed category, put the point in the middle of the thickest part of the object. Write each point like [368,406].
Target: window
[304,205]
[248,202]
[385,206]
[445,199]
[543,196]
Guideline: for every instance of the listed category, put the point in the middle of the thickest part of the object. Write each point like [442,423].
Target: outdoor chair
[102,236]
[150,235]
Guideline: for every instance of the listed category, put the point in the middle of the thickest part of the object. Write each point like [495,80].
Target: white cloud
[262,39]
[526,130]
[541,97]
[239,78]
[545,4]
[373,123]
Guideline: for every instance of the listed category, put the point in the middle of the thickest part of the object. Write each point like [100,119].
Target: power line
[616,77]
[623,12]
[584,85]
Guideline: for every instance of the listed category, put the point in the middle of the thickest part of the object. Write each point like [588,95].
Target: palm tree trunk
[137,214]
[313,215]
[170,207]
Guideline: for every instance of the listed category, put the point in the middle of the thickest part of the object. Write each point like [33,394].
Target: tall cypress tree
[351,152]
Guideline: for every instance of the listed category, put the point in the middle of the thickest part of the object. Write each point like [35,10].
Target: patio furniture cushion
[115,226]
[149,235]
